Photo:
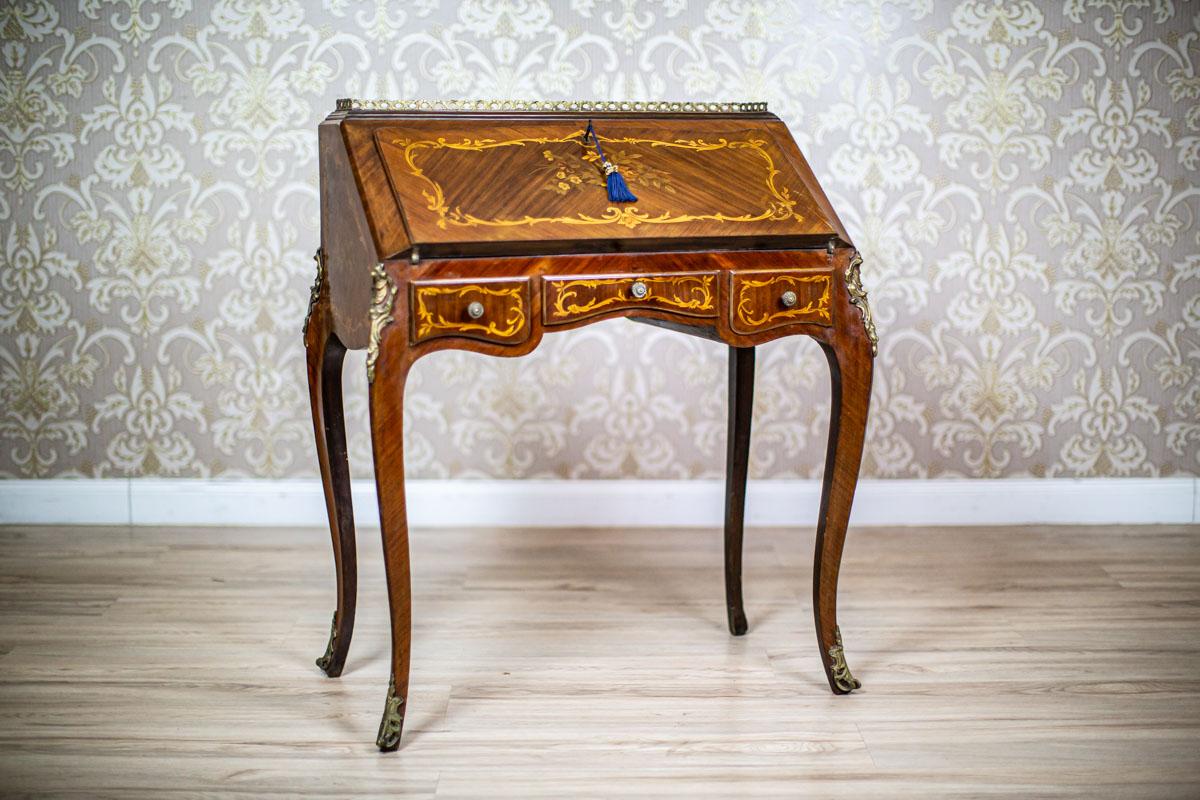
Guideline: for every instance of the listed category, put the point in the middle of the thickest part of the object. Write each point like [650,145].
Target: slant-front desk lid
[527,182]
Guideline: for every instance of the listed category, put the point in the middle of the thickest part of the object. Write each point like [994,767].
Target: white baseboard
[602,503]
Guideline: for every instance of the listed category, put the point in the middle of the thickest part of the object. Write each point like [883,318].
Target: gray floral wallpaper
[1023,179]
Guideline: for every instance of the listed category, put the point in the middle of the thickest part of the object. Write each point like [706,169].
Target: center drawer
[567,299]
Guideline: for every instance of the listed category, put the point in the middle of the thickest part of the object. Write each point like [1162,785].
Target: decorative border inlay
[781,207]
[382,297]
[620,106]
[685,293]
[858,296]
[428,324]
[820,307]
[314,294]
[838,668]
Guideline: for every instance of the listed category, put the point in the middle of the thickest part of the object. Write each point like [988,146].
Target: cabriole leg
[387,371]
[850,366]
[325,354]
[741,403]
[387,423]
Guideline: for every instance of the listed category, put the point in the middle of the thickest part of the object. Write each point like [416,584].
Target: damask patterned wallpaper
[1023,180]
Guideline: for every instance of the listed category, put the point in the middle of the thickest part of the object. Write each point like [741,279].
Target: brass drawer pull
[639,290]
[475,309]
[789,299]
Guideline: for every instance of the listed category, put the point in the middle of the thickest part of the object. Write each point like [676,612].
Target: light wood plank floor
[1018,662]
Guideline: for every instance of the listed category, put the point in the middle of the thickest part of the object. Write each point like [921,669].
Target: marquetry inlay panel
[728,177]
[445,309]
[763,300]
[569,299]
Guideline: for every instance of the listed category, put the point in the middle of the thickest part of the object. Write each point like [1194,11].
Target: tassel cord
[591,133]
[618,191]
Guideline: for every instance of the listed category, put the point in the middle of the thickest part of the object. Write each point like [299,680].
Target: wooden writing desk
[483,226]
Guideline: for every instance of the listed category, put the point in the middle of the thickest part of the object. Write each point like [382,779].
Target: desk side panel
[350,242]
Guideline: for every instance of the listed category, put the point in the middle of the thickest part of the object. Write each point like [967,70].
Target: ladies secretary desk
[482,226]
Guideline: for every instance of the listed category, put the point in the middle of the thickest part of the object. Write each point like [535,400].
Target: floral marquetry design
[564,173]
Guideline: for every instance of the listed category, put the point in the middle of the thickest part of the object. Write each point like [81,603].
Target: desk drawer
[494,311]
[763,300]
[568,299]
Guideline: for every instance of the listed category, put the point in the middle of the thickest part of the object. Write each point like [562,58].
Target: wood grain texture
[708,181]
[386,398]
[325,355]
[442,308]
[368,177]
[851,367]
[622,266]
[756,299]
[346,238]
[737,463]
[579,297]
[721,177]
[1001,663]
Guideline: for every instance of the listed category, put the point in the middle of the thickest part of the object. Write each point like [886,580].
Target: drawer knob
[639,290]
[788,299]
[475,310]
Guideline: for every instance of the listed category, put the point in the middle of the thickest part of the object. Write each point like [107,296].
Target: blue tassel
[618,191]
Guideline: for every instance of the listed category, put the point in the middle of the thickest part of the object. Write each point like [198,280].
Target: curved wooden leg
[387,426]
[741,404]
[325,354]
[850,366]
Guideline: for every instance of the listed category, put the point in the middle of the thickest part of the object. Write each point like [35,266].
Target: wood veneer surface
[528,183]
